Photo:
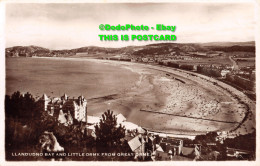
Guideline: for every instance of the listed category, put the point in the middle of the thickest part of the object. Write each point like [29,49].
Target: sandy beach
[193,103]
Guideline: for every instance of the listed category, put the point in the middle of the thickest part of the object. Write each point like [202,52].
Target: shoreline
[234,92]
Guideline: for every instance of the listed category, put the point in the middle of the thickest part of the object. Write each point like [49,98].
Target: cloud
[65,26]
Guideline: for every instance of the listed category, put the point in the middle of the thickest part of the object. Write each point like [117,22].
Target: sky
[67,26]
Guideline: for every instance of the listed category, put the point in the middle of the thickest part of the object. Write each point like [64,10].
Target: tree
[107,132]
[208,138]
[21,106]
[21,113]
[204,140]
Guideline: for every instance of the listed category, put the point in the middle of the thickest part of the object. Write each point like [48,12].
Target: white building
[64,109]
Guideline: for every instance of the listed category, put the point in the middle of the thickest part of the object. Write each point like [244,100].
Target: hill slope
[151,49]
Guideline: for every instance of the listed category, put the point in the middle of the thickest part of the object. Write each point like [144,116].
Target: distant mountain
[26,51]
[94,49]
[235,48]
[29,49]
[151,49]
[228,44]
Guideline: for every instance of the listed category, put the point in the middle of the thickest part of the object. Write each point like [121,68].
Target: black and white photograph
[130,81]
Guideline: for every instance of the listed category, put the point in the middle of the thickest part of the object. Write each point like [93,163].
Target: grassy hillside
[151,49]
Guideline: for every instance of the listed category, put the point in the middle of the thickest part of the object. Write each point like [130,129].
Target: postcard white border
[172,163]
